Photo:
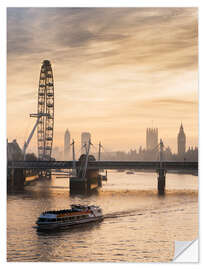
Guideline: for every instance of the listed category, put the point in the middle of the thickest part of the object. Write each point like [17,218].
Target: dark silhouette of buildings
[181,140]
[145,155]
[14,151]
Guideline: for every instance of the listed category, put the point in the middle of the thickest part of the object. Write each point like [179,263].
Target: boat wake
[150,211]
[122,214]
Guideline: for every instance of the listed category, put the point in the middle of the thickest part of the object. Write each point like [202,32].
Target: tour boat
[78,214]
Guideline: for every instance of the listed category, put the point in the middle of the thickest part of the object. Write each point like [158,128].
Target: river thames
[139,226]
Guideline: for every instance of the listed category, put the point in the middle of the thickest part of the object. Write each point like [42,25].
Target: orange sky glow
[117,71]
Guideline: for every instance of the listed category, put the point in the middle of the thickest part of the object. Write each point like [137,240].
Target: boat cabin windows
[65,218]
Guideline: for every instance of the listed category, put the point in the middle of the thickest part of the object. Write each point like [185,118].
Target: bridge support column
[161,181]
[15,180]
[161,172]
[78,186]
[99,179]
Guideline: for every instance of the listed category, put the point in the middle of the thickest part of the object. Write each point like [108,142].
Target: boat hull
[66,225]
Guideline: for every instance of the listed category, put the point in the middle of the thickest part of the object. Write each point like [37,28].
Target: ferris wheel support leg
[30,137]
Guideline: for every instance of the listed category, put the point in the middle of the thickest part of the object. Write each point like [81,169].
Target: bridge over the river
[84,170]
[108,165]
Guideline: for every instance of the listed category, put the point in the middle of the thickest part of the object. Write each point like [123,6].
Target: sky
[117,71]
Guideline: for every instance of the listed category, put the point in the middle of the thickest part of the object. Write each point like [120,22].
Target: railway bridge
[160,167]
[107,165]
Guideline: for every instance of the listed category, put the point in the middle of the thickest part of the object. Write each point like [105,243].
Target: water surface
[139,226]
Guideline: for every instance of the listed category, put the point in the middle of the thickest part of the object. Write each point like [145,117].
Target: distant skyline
[115,70]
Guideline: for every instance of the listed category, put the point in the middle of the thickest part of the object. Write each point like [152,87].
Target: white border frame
[76,3]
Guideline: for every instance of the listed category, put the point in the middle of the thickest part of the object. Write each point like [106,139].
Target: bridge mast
[74,162]
[86,160]
[99,153]
[73,145]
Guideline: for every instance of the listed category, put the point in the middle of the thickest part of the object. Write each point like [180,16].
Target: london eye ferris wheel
[45,126]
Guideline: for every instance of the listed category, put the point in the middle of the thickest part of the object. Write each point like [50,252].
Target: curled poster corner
[186,251]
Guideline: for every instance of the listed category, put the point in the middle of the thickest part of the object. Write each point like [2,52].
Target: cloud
[153,31]
[111,66]
[174,102]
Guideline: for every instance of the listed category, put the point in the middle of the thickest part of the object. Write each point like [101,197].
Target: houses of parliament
[151,152]
[182,153]
[152,140]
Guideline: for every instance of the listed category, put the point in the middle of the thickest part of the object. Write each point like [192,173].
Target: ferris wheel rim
[46,106]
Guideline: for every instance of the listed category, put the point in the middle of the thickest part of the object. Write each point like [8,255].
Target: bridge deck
[147,165]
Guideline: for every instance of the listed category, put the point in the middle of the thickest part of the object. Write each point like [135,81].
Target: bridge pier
[161,172]
[161,181]
[86,180]
[99,179]
[15,179]
[78,186]
[87,185]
